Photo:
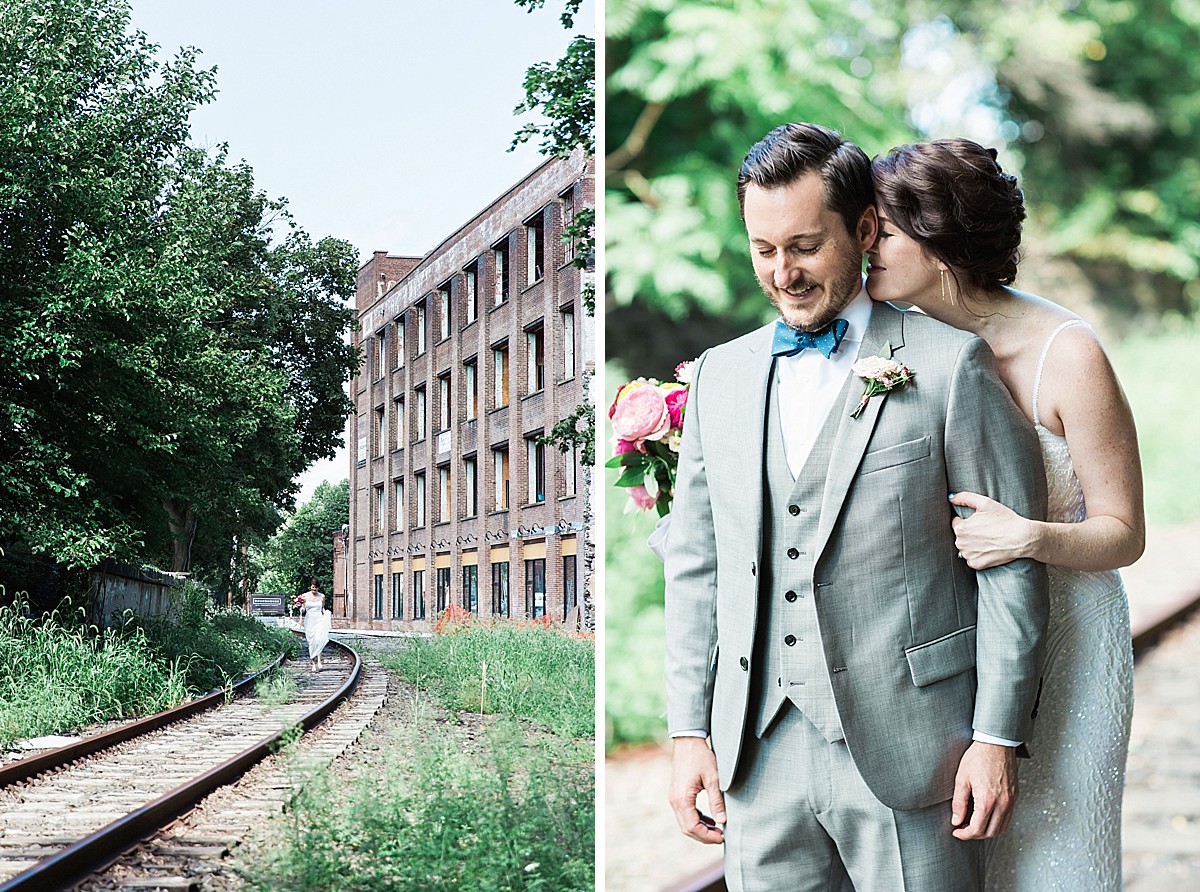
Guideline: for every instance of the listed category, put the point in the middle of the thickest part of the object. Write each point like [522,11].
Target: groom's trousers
[800,818]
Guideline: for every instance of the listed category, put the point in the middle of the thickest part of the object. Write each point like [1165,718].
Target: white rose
[876,368]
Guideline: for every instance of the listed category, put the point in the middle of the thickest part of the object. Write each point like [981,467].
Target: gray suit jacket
[920,649]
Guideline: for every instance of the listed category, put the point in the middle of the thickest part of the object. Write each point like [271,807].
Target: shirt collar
[857,314]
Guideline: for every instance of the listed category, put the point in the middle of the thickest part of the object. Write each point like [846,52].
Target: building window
[535,588]
[535,248]
[571,471]
[535,355]
[422,410]
[444,493]
[397,596]
[398,422]
[380,431]
[420,478]
[500,602]
[570,597]
[470,304]
[378,596]
[380,509]
[568,219]
[536,454]
[471,383]
[443,301]
[444,402]
[567,320]
[418,594]
[398,499]
[380,352]
[500,466]
[472,504]
[470,589]
[443,589]
[400,341]
[500,383]
[500,257]
[422,342]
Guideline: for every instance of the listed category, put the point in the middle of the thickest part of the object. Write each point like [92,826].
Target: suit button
[790,596]
[793,510]
[744,663]
[789,640]
[793,553]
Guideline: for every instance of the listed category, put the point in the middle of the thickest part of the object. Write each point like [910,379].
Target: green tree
[303,547]
[173,350]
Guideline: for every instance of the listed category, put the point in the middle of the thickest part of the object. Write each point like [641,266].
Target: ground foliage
[59,673]
[173,350]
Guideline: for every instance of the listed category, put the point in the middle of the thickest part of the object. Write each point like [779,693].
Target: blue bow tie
[789,342]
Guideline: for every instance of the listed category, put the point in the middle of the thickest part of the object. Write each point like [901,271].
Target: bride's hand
[993,535]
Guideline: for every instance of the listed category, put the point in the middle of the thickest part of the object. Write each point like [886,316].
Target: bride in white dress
[317,623]
[950,228]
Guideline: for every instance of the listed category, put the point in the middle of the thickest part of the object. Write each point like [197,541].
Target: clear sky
[383,122]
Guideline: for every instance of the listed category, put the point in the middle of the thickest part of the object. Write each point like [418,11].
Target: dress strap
[1037,379]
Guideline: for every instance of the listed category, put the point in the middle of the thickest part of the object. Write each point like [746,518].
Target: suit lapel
[853,434]
[750,416]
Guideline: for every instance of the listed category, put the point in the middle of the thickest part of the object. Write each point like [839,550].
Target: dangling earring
[947,290]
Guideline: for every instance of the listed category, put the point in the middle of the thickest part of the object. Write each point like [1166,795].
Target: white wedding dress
[317,624]
[1065,834]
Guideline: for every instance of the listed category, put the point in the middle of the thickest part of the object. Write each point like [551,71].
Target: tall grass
[427,815]
[59,674]
[532,673]
[440,820]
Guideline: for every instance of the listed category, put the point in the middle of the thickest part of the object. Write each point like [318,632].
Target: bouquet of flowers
[647,421]
[298,602]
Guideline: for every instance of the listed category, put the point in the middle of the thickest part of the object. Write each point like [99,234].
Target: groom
[863,690]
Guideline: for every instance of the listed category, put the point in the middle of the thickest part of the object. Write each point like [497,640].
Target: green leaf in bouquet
[631,477]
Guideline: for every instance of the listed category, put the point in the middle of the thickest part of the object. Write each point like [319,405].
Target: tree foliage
[1092,103]
[173,350]
[303,547]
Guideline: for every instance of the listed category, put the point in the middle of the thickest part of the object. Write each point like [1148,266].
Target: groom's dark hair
[791,150]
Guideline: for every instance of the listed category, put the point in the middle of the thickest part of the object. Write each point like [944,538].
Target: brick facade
[510,301]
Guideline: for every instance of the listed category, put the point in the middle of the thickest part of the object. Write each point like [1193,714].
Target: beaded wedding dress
[1065,835]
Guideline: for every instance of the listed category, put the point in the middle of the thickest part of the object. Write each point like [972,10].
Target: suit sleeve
[691,576]
[992,449]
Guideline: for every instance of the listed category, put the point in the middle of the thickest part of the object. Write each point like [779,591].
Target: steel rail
[32,766]
[96,851]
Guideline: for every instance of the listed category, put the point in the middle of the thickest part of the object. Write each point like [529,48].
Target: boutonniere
[882,373]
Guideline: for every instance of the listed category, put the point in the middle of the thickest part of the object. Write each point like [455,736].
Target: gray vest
[791,661]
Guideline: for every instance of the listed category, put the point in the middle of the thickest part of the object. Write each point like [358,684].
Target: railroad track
[66,814]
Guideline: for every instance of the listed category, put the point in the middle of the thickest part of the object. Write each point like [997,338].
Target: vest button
[744,663]
[793,553]
[790,596]
[789,640]
[793,510]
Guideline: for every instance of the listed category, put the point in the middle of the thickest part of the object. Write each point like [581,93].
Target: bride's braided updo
[952,197]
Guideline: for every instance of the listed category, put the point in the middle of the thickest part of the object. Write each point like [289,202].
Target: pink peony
[620,447]
[676,401]
[641,498]
[641,415]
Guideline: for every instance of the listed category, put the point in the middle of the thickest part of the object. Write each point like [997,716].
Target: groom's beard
[821,308]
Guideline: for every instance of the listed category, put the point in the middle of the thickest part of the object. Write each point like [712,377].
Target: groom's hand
[694,768]
[985,791]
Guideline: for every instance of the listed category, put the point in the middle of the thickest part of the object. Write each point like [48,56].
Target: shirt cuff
[999,741]
[690,733]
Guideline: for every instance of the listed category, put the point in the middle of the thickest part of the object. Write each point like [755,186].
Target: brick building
[470,354]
